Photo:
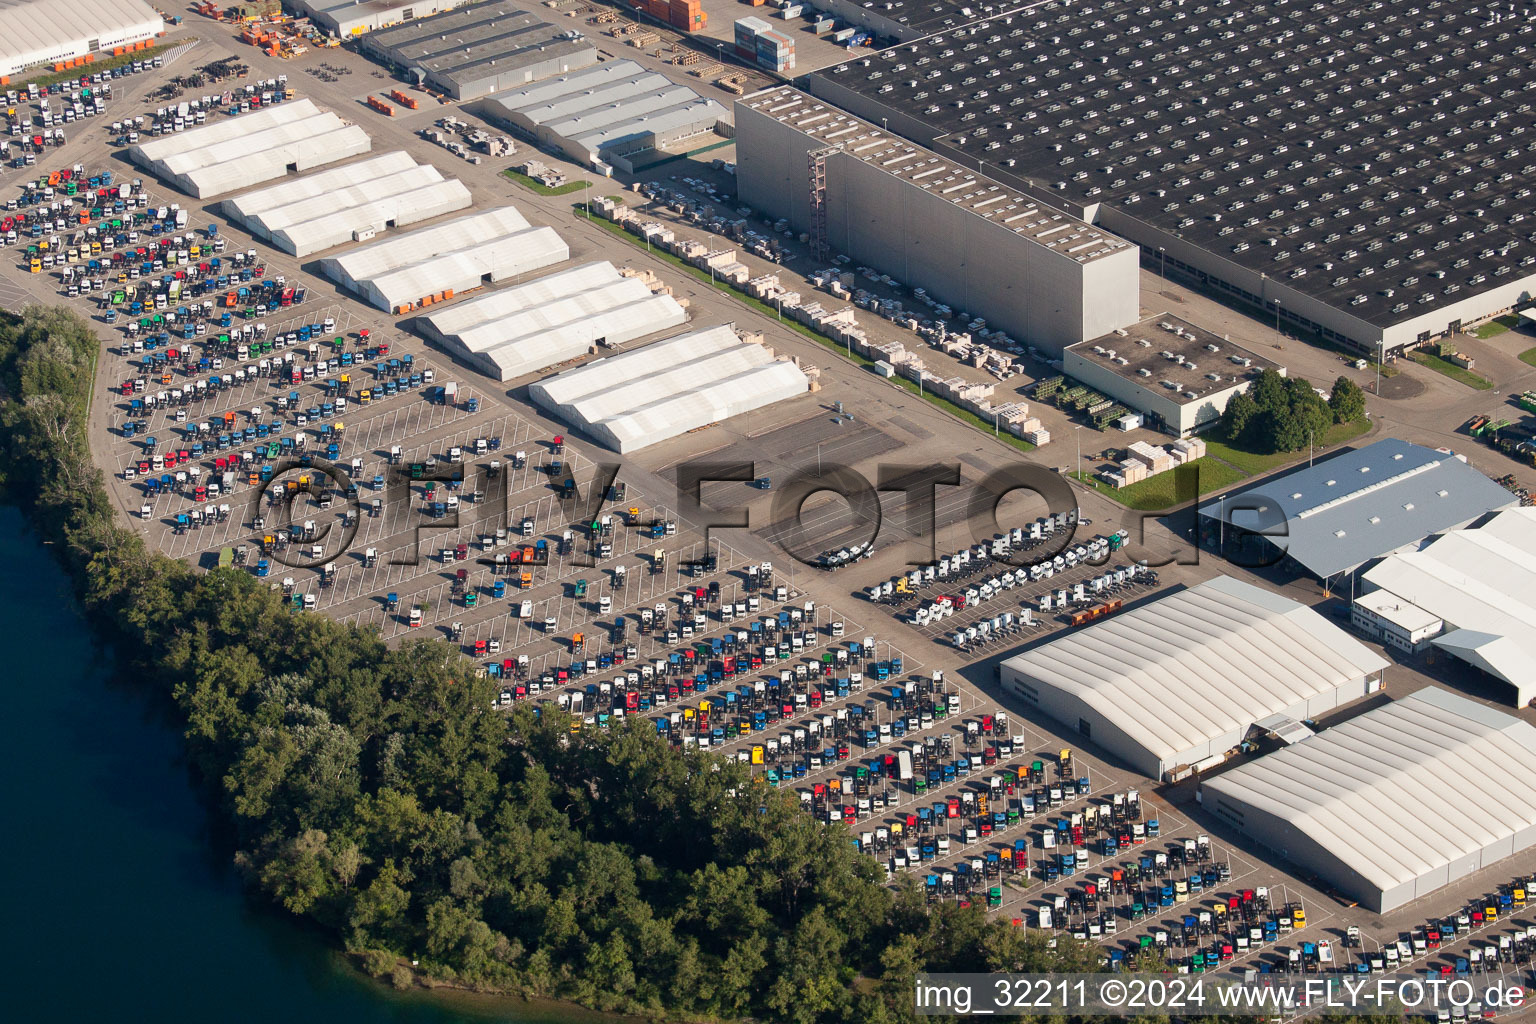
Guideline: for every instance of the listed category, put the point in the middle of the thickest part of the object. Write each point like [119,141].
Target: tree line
[1286,414]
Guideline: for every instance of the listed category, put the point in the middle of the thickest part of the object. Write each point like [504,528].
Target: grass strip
[76,73]
[1449,369]
[795,325]
[1498,325]
[1159,492]
[541,188]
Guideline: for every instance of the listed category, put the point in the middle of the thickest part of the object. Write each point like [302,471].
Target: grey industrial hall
[1394,804]
[982,248]
[479,48]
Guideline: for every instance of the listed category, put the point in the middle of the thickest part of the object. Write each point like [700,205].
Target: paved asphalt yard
[419,558]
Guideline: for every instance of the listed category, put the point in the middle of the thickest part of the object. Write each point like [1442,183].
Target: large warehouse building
[350,203]
[239,152]
[1178,376]
[981,247]
[479,48]
[1342,164]
[1472,593]
[613,115]
[1334,516]
[42,33]
[1396,803]
[1177,683]
[514,331]
[433,264]
[640,398]
[354,17]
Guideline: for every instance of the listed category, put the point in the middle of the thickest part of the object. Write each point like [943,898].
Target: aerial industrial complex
[1344,165]
[1282,722]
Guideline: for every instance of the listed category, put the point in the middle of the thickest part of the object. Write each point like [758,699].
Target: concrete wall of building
[771,174]
[1178,418]
[355,20]
[1071,712]
[1280,836]
[968,262]
[853,14]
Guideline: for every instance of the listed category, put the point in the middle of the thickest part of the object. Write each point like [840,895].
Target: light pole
[1162,278]
[1078,437]
[1381,357]
[1277,323]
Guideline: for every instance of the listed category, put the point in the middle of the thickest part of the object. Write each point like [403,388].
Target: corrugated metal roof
[605,104]
[33,29]
[639,398]
[1403,790]
[1200,664]
[1341,513]
[1484,581]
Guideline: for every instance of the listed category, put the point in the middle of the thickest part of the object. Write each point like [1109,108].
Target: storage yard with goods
[344,353]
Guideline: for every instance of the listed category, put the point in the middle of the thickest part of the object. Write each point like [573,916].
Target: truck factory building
[639,398]
[239,152]
[433,264]
[1475,592]
[1396,803]
[42,33]
[479,48]
[1341,164]
[1179,376]
[1334,516]
[1180,681]
[613,115]
[976,245]
[514,331]
[344,204]
[354,17]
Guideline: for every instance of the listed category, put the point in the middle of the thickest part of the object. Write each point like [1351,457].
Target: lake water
[118,909]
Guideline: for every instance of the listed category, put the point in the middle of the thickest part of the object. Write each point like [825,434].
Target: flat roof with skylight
[1169,351]
[1376,156]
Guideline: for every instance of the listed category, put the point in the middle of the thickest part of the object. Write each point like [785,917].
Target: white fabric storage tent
[1185,678]
[667,388]
[1396,803]
[530,326]
[1482,582]
[434,263]
[239,152]
[335,206]
[37,33]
